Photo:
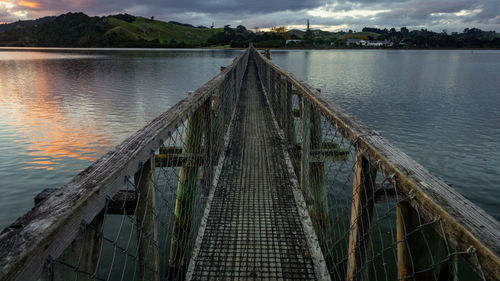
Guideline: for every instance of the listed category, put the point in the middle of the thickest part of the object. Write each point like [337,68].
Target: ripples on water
[62,109]
[440,107]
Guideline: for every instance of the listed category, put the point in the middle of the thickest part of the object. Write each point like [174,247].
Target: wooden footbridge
[254,176]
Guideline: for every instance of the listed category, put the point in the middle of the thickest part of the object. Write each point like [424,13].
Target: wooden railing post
[186,191]
[319,209]
[417,245]
[283,106]
[361,215]
[305,132]
[208,153]
[147,225]
[290,133]
[83,253]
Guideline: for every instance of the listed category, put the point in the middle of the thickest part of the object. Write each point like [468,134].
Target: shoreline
[230,48]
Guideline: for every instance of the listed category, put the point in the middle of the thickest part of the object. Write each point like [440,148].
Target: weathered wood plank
[361,216]
[206,174]
[186,191]
[465,224]
[305,132]
[179,160]
[147,224]
[51,226]
[123,203]
[319,209]
[291,134]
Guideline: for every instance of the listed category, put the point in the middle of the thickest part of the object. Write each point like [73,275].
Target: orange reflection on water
[50,126]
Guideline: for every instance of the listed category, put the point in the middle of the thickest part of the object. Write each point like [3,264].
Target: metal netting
[368,227]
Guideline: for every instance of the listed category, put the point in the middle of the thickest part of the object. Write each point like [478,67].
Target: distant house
[357,42]
[292,42]
[379,43]
[368,43]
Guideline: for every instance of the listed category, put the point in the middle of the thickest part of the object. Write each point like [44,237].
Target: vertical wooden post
[413,243]
[291,135]
[319,210]
[268,54]
[207,148]
[306,149]
[361,214]
[83,253]
[186,191]
[268,76]
[283,107]
[147,225]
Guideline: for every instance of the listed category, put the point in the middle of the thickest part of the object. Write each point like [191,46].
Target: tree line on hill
[123,30]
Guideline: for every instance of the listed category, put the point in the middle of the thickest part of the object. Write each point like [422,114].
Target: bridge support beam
[186,192]
[363,199]
[147,225]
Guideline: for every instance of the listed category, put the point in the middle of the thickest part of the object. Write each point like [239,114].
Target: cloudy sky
[453,15]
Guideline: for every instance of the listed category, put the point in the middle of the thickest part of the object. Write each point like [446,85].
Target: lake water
[61,109]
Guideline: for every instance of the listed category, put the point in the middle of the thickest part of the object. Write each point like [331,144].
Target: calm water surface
[61,109]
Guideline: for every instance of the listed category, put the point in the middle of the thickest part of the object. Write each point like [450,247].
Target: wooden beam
[123,203]
[305,133]
[283,105]
[361,215]
[179,160]
[208,152]
[319,209]
[420,251]
[147,224]
[186,192]
[329,153]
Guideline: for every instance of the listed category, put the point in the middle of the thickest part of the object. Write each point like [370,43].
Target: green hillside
[123,30]
[164,32]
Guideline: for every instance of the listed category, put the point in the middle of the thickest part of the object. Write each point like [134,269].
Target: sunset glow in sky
[453,15]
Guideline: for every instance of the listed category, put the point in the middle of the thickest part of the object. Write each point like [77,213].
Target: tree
[241,29]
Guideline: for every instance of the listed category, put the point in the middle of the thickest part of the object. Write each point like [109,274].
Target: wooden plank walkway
[255,229]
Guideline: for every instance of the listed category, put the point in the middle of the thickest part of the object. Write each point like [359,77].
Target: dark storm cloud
[265,13]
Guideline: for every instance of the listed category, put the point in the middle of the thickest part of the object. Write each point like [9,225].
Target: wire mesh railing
[378,214]
[133,214]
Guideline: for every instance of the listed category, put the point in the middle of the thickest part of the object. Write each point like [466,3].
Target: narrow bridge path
[254,230]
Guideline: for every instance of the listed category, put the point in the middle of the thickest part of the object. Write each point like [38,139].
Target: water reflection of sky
[440,107]
[62,109]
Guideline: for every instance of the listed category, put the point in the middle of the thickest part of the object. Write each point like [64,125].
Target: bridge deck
[254,230]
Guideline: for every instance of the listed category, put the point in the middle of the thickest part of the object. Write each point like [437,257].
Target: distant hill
[123,30]
[25,23]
